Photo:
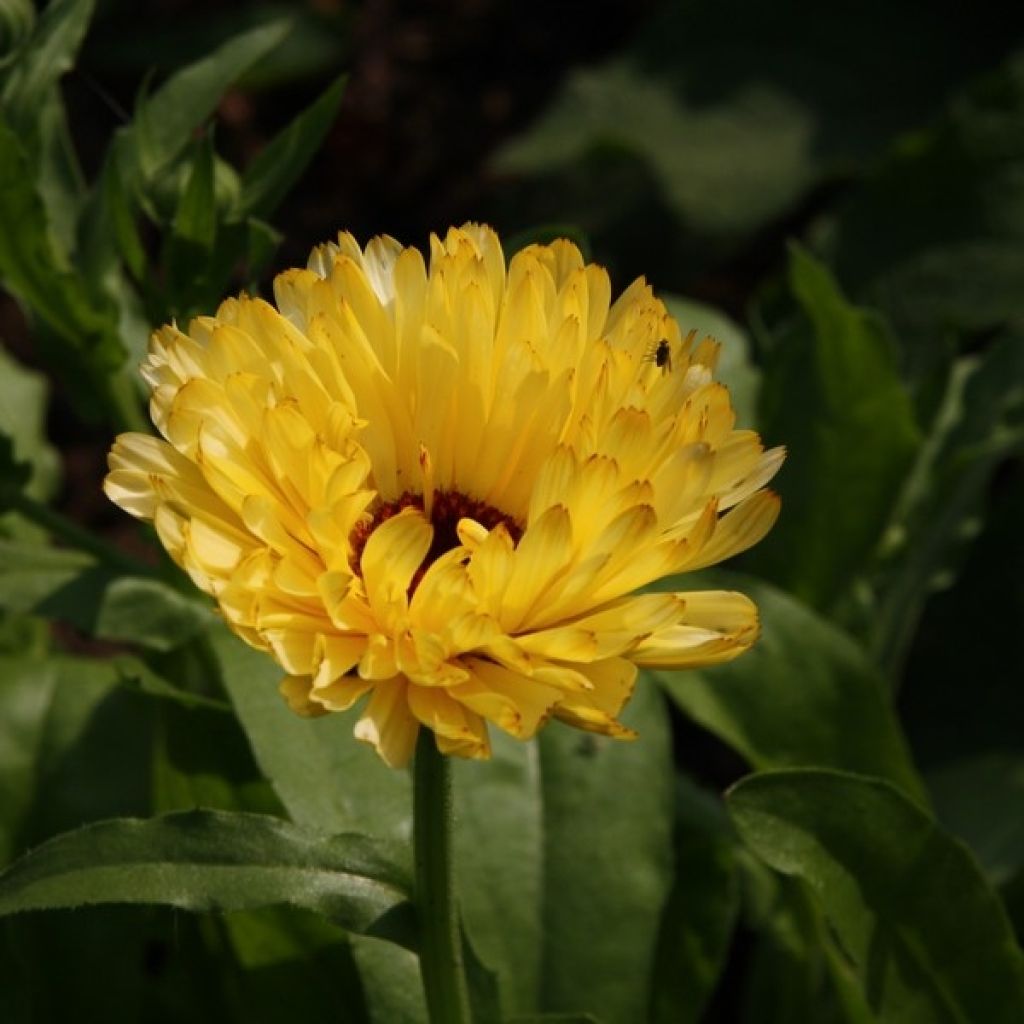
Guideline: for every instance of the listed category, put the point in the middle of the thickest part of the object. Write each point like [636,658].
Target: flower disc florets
[439,487]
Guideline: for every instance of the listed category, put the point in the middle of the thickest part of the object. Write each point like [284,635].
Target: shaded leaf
[979,799]
[698,919]
[276,169]
[851,436]
[324,776]
[391,981]
[43,60]
[499,858]
[930,940]
[804,694]
[979,424]
[607,862]
[212,860]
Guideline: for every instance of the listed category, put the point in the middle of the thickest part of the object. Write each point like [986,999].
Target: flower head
[439,486]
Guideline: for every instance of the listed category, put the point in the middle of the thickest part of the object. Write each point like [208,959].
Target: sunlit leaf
[212,860]
[806,694]
[930,940]
[165,121]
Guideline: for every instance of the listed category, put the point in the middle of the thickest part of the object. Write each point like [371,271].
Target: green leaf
[797,971]
[930,940]
[833,396]
[40,275]
[73,587]
[26,691]
[291,964]
[391,981]
[211,860]
[78,748]
[48,55]
[698,919]
[150,613]
[324,776]
[17,19]
[276,169]
[607,862]
[164,122]
[979,424]
[499,866]
[23,401]
[993,827]
[804,694]
[735,369]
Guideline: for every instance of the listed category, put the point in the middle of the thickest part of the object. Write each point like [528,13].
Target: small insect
[661,356]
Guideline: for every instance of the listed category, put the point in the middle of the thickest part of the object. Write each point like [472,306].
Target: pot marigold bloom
[439,486]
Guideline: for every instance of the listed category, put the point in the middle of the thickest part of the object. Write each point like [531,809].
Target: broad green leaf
[979,424]
[72,586]
[499,857]
[47,56]
[276,169]
[291,964]
[78,749]
[212,860]
[832,395]
[150,613]
[962,695]
[698,919]
[165,121]
[796,972]
[324,776]
[57,966]
[23,400]
[930,940]
[392,984]
[979,799]
[735,369]
[201,758]
[27,687]
[805,694]
[607,862]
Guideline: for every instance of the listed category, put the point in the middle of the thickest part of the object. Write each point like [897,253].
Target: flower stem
[444,978]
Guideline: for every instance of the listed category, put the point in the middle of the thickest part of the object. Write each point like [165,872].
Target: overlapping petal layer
[440,486]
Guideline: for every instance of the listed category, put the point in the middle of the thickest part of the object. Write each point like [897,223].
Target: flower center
[448,508]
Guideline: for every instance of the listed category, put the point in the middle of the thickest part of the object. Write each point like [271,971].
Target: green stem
[444,978]
[77,537]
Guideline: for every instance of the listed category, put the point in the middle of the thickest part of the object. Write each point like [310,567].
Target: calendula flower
[440,486]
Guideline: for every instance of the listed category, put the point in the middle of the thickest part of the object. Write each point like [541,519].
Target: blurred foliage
[837,195]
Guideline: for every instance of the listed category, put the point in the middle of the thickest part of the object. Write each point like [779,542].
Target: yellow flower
[440,485]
